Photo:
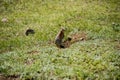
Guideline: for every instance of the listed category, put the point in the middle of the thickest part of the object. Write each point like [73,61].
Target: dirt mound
[75,38]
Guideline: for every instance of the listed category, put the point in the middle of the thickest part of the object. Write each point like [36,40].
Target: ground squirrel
[59,38]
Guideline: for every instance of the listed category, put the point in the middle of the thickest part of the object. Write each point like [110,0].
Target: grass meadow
[35,57]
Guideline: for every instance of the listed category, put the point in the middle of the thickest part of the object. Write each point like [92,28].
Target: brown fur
[59,38]
[60,35]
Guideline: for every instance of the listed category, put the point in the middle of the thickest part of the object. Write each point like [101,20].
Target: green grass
[31,57]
